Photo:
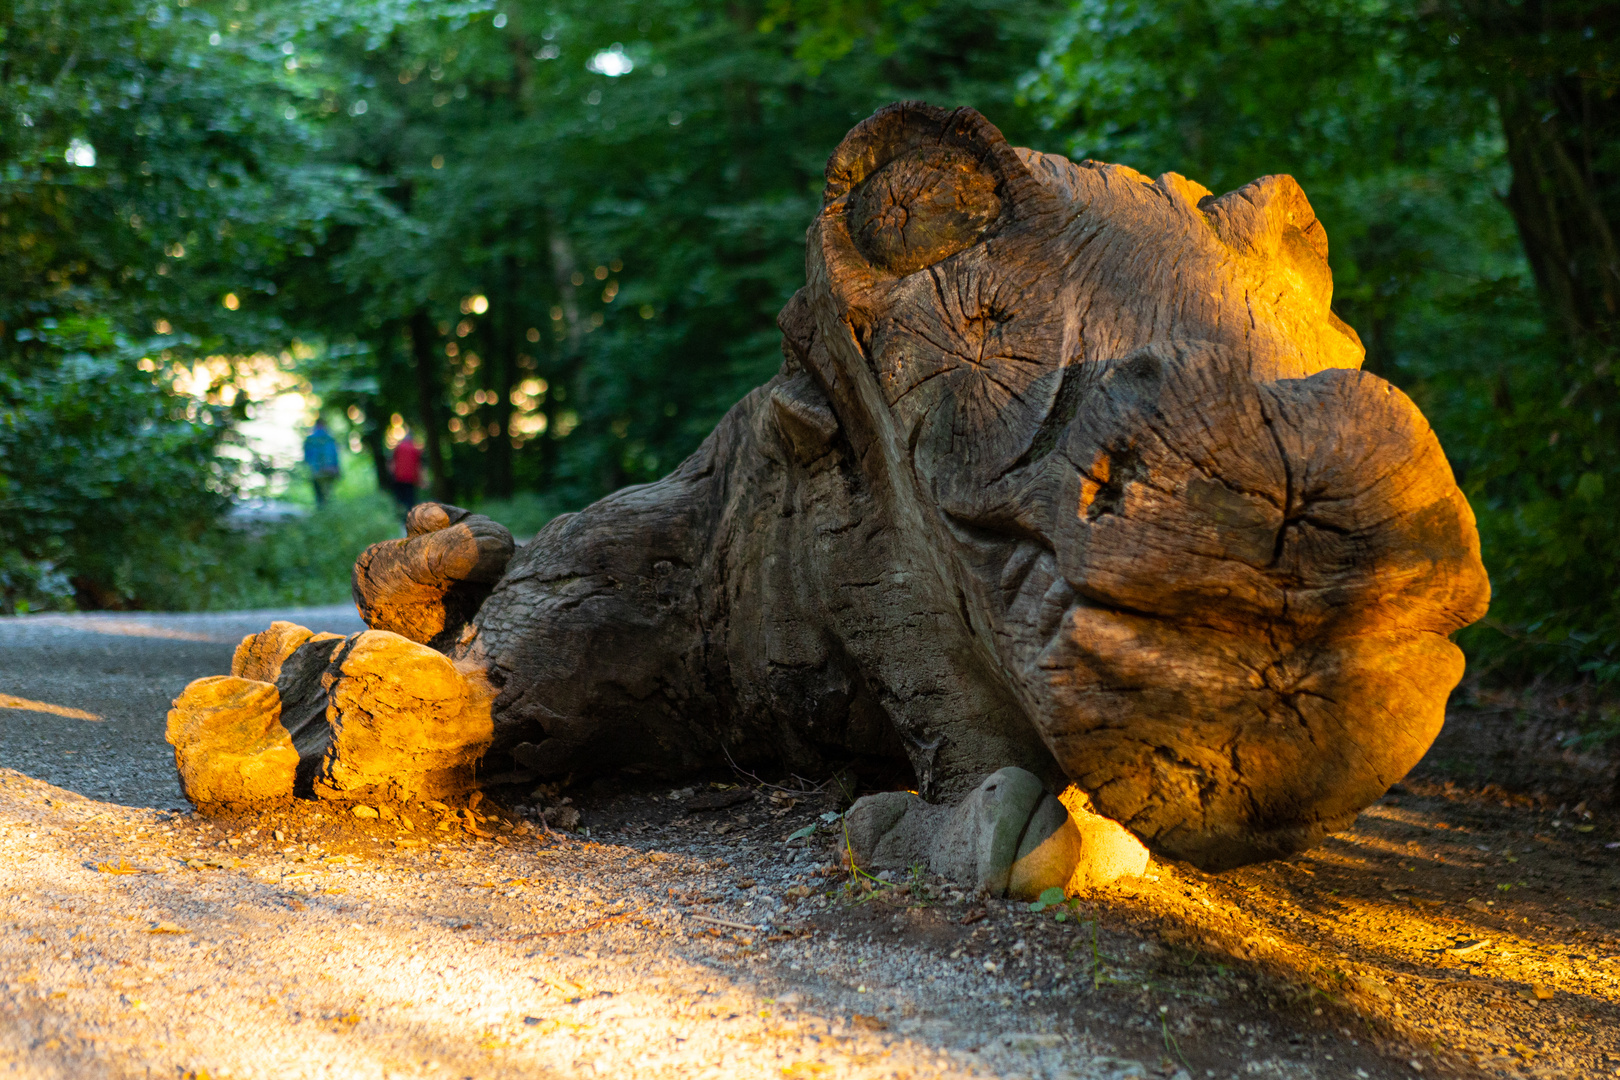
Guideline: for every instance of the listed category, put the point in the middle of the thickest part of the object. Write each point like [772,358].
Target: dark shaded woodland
[554,238]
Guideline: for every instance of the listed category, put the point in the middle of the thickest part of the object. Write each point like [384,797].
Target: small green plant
[918,885]
[1099,962]
[1170,1044]
[1053,899]
[1048,898]
[857,876]
[1096,959]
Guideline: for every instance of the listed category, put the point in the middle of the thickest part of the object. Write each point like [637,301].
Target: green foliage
[305,560]
[525,513]
[828,30]
[553,238]
[1051,897]
[150,167]
[151,191]
[632,235]
[1388,115]
[98,460]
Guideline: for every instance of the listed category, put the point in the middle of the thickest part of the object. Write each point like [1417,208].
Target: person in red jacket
[406,471]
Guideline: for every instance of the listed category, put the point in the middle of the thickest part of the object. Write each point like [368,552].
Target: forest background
[553,238]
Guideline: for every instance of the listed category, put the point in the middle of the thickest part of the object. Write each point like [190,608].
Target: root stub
[402,719]
[1009,837]
[426,586]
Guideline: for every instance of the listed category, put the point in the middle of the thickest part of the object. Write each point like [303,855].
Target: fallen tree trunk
[1066,470]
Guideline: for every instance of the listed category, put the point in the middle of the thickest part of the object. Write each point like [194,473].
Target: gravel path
[678,934]
[124,670]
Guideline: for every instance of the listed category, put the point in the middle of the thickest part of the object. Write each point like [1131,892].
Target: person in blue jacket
[321,456]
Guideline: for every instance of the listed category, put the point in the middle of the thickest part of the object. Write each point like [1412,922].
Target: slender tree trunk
[1550,65]
[566,351]
[429,399]
[503,339]
[371,436]
[743,104]
[1566,224]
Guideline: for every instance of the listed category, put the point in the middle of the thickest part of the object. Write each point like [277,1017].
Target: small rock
[1370,986]
[1032,1040]
[363,812]
[562,817]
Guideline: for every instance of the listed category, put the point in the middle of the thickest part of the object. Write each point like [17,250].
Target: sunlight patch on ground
[93,624]
[7,701]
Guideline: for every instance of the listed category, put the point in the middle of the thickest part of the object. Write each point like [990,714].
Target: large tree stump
[1066,469]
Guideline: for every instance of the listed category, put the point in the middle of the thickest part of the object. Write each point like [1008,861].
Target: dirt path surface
[677,933]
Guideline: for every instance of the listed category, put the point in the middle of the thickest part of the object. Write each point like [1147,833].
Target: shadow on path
[57,672]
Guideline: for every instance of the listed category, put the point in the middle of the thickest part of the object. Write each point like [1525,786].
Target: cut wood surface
[369,716]
[229,744]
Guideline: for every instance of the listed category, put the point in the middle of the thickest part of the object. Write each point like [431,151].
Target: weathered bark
[1066,469]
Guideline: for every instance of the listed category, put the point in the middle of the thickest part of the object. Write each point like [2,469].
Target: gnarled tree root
[427,586]
[1009,837]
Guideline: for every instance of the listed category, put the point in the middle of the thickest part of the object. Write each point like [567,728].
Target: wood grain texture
[366,717]
[1066,468]
[228,746]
